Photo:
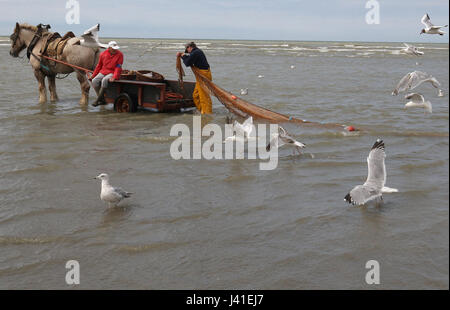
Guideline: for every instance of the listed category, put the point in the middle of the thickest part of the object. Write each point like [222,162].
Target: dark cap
[190,44]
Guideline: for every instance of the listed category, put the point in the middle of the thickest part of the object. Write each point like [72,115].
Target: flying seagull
[430,28]
[111,195]
[245,129]
[411,50]
[282,138]
[244,91]
[414,79]
[90,38]
[417,100]
[374,185]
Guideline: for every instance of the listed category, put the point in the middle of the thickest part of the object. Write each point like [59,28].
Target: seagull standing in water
[111,195]
[417,100]
[376,179]
[430,28]
[414,79]
[282,138]
[411,50]
[90,38]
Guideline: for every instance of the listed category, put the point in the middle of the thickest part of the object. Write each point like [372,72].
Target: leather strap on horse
[47,39]
[37,37]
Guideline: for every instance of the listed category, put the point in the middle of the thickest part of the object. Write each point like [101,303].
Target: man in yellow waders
[193,56]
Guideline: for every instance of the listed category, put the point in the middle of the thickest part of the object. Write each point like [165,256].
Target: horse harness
[53,45]
[38,34]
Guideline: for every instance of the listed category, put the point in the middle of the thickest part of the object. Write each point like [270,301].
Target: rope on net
[245,109]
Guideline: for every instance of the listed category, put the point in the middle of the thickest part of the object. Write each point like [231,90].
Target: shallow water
[225,224]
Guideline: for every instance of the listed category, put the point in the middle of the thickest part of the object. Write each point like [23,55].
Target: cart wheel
[124,103]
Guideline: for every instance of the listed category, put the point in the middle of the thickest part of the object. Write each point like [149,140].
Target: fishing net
[242,108]
[180,72]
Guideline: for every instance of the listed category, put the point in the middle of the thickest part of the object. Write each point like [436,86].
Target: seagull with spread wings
[283,138]
[414,79]
[374,186]
[244,130]
[417,100]
[90,38]
[411,50]
[430,28]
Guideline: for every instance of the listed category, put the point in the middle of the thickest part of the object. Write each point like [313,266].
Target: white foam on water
[296,48]
[343,50]
[365,53]
[260,45]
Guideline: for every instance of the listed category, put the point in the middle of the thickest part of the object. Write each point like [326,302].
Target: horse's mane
[28,27]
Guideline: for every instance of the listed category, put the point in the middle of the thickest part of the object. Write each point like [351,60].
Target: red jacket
[109,63]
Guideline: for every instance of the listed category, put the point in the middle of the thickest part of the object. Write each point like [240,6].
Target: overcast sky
[316,20]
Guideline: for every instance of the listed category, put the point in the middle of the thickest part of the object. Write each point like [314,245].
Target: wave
[157,246]
[260,45]
[13,240]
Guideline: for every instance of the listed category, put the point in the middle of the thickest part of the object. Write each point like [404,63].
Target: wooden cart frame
[164,96]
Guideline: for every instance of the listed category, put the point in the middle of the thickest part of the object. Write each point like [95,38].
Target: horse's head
[17,43]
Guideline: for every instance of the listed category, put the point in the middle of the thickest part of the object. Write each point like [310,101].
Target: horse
[73,53]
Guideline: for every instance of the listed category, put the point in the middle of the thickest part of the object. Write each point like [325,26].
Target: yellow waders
[202,99]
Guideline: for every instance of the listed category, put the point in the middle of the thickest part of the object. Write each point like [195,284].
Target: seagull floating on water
[292,67]
[111,195]
[244,91]
[414,79]
[90,38]
[374,185]
[417,100]
[430,28]
[441,93]
[411,50]
[282,138]
[260,76]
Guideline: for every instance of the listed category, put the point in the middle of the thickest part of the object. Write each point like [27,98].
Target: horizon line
[273,40]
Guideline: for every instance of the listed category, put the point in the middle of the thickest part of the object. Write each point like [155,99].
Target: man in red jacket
[108,69]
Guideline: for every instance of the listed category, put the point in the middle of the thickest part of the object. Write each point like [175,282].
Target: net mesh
[242,108]
[180,71]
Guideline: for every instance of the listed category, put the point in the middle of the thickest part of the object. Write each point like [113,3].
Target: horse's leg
[40,77]
[84,84]
[52,88]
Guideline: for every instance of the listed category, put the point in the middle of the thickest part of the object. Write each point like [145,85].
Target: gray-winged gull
[417,100]
[414,79]
[111,195]
[376,178]
[282,138]
[411,50]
